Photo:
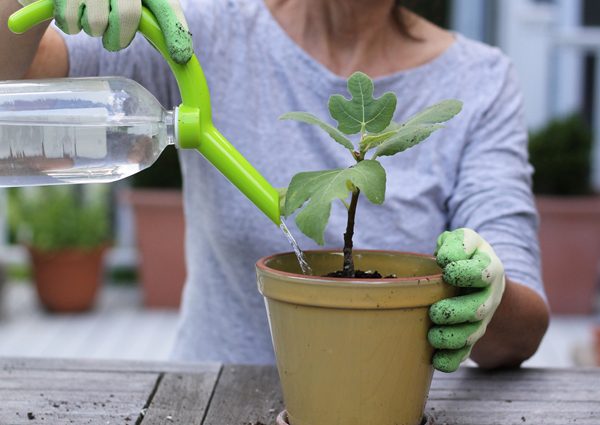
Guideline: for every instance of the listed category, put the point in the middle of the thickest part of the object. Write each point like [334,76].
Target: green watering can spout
[194,118]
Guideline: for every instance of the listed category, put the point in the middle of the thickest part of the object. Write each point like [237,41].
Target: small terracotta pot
[352,351]
[67,280]
[596,344]
[570,246]
[160,228]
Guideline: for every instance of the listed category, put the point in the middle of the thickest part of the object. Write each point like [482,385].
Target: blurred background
[130,311]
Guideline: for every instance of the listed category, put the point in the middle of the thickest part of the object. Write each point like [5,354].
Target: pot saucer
[282,419]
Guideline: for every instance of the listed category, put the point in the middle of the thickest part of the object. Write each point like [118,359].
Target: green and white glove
[117,21]
[469,263]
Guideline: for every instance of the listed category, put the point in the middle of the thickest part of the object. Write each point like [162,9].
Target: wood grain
[8,363]
[181,399]
[65,391]
[516,397]
[69,392]
[246,395]
[72,397]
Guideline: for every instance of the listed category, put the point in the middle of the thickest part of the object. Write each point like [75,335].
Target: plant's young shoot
[371,119]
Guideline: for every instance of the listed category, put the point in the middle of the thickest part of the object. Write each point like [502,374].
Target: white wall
[525,34]
[550,75]
[468,18]
[568,78]
[547,45]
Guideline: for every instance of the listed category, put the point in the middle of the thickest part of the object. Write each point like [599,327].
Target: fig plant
[371,119]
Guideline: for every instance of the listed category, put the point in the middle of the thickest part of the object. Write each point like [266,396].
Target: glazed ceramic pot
[352,351]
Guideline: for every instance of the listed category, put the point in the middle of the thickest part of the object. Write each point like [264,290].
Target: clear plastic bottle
[87,130]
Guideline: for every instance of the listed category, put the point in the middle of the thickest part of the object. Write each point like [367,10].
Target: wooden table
[57,392]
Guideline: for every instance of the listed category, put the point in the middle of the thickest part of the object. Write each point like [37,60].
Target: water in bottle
[86,130]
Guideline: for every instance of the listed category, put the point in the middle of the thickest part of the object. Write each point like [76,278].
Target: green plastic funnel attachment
[195,127]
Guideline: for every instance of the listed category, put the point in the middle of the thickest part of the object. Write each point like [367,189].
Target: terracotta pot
[570,244]
[159,227]
[352,351]
[67,280]
[596,344]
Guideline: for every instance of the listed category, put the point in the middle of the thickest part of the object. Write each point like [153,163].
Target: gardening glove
[470,264]
[117,21]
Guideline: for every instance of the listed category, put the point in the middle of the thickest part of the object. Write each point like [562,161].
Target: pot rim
[68,250]
[352,293]
[261,265]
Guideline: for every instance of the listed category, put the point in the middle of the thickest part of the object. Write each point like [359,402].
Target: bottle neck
[170,120]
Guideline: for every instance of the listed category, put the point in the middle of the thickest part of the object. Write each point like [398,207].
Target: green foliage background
[165,173]
[437,11]
[561,155]
[58,217]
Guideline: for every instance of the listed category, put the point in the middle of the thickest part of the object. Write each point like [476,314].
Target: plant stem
[348,270]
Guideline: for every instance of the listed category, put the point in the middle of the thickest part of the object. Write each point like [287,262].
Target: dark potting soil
[359,274]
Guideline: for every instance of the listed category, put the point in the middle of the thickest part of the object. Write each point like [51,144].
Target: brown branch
[348,270]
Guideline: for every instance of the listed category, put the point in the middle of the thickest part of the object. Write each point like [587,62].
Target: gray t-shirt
[474,173]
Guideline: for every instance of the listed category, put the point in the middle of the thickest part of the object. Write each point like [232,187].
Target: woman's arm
[39,53]
[516,329]
[493,197]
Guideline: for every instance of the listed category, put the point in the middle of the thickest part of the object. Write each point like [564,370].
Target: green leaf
[393,127]
[335,134]
[362,112]
[59,217]
[372,140]
[321,188]
[416,129]
[405,138]
[438,113]
[282,191]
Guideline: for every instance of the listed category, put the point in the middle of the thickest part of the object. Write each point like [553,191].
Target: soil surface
[359,274]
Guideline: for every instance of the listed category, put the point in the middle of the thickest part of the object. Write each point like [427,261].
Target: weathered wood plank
[97,393]
[74,381]
[518,385]
[104,365]
[469,397]
[181,399]
[523,396]
[531,374]
[477,412]
[531,395]
[245,395]
[72,397]
[578,388]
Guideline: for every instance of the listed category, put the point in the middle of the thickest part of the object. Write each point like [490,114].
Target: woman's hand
[117,21]
[469,263]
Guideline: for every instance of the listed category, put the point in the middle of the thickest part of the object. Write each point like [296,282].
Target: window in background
[437,11]
[590,18]
[591,13]
[476,19]
[491,21]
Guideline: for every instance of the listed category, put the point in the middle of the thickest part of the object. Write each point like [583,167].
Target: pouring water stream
[306,269]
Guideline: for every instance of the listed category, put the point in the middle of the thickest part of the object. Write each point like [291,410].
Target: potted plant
[158,213]
[351,351]
[66,231]
[569,214]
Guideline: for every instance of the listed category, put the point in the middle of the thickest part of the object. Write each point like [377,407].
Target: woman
[266,57]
